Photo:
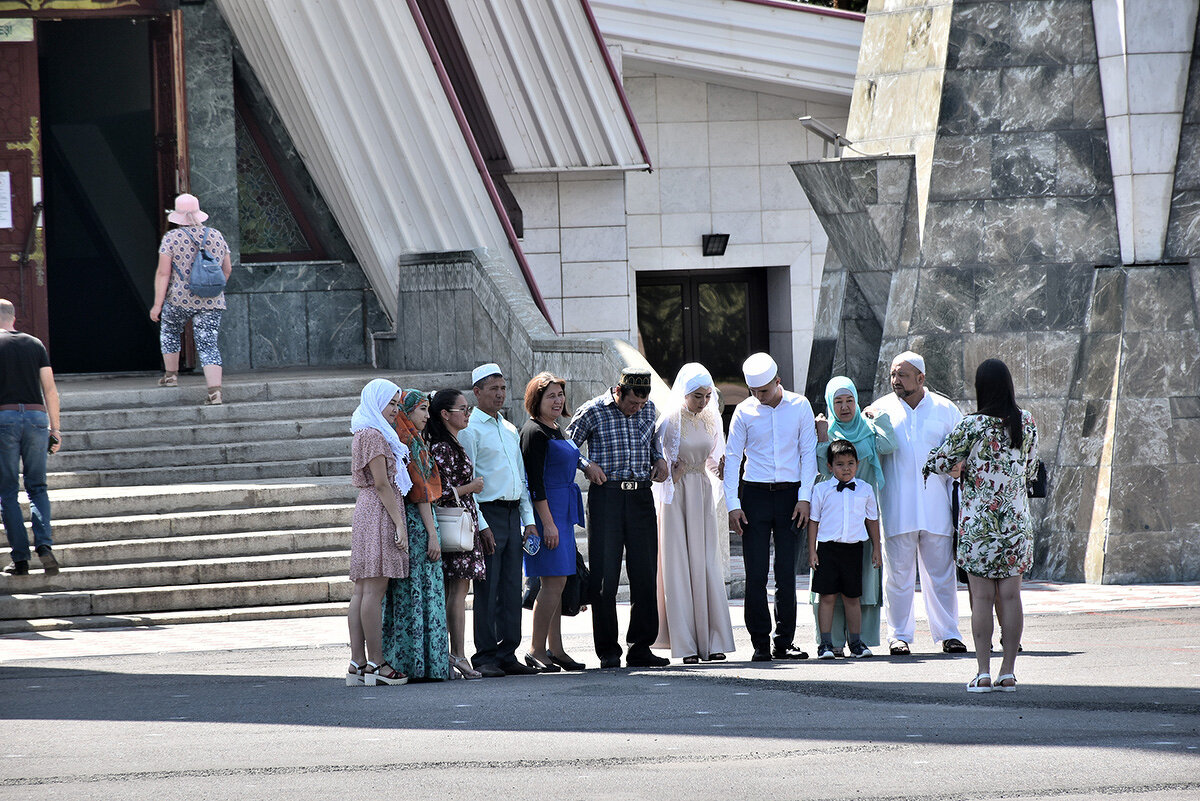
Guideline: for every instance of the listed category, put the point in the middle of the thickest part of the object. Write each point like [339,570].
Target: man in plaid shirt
[624,457]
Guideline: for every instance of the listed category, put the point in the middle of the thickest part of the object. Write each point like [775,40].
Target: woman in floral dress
[996,451]
[448,414]
[414,608]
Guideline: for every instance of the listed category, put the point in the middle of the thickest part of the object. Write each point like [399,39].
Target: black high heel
[539,665]
[565,662]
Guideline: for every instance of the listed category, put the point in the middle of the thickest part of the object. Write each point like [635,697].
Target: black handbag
[575,594]
[959,573]
[1037,487]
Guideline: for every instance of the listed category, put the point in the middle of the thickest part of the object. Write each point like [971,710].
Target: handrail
[31,237]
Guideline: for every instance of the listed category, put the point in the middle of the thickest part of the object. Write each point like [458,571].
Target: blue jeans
[24,438]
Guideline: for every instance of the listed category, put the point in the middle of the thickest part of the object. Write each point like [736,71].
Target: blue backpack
[207,279]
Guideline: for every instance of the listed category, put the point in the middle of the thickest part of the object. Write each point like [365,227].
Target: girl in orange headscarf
[415,639]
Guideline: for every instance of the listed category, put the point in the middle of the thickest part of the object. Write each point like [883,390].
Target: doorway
[715,317]
[103,208]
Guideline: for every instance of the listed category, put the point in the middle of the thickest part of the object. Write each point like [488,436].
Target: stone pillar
[212,147]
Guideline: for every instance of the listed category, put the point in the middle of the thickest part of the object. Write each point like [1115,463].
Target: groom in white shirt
[918,531]
[774,430]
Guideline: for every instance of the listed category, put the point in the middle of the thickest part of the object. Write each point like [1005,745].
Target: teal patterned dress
[995,530]
[415,639]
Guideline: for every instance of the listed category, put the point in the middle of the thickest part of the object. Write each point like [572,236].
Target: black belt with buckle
[505,504]
[774,486]
[626,485]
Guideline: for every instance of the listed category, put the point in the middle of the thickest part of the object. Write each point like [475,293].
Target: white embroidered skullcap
[759,370]
[915,359]
[485,371]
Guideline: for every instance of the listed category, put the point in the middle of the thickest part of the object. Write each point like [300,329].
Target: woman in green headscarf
[415,638]
[872,436]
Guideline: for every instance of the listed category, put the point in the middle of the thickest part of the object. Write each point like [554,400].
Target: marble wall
[1183,227]
[1019,259]
[292,314]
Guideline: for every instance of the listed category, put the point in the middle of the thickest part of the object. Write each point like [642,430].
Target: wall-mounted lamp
[827,135]
[714,244]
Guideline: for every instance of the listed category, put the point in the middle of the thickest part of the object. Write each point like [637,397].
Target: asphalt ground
[1108,705]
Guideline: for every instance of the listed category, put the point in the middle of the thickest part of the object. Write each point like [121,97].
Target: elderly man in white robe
[918,529]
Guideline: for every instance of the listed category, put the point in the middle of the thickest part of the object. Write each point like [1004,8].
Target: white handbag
[456,527]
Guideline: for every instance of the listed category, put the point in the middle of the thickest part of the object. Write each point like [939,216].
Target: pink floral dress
[373,549]
[995,530]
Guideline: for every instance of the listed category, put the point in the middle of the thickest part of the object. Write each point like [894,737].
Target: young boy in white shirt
[844,515]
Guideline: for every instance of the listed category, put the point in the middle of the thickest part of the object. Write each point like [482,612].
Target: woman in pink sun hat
[174,301]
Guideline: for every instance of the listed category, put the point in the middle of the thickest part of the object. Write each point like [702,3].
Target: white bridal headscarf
[692,376]
[369,414]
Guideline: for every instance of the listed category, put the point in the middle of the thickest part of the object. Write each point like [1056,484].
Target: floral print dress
[415,639]
[456,470]
[995,530]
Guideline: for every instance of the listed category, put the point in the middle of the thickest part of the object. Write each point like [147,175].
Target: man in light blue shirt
[494,447]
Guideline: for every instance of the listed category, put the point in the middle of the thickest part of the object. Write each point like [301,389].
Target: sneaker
[825,651]
[859,650]
[19,567]
[49,563]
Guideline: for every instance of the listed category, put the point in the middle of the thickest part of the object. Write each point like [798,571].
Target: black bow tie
[845,485]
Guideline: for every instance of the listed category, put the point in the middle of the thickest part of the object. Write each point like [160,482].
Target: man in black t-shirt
[28,432]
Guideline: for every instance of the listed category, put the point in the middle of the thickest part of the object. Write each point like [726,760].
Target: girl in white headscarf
[693,608]
[379,537]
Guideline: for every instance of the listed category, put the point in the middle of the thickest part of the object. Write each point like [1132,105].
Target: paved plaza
[1108,705]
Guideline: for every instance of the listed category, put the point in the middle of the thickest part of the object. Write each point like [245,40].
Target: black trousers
[497,603]
[769,517]
[623,523]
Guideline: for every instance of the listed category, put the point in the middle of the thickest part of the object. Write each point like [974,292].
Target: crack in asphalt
[513,764]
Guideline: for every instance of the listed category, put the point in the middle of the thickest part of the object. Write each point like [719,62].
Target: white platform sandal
[975,685]
[1000,687]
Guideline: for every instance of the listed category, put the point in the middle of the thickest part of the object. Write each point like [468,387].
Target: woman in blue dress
[550,463]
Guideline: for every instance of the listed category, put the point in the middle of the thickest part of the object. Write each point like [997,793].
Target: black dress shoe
[761,655]
[646,660]
[565,662]
[490,671]
[515,668]
[789,652]
[49,563]
[610,662]
[953,646]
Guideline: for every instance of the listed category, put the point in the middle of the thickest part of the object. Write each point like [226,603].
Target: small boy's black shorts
[839,570]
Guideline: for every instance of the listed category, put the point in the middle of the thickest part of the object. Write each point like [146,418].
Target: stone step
[204,546]
[317,589]
[208,434]
[247,471]
[193,416]
[211,521]
[266,567]
[67,504]
[98,393]
[216,454]
[129,620]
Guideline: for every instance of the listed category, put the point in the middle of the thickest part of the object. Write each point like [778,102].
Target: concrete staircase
[165,510]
